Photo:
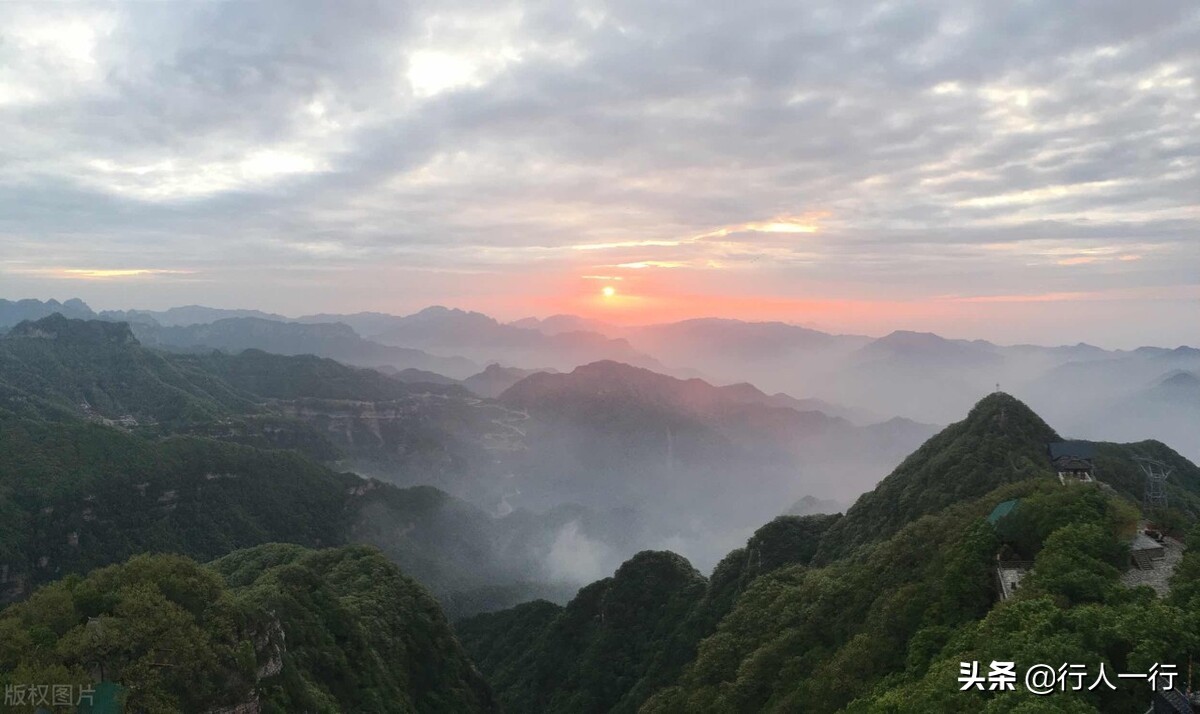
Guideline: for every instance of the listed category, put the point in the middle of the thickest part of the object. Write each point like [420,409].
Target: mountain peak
[609,367]
[441,312]
[999,407]
[1000,441]
[912,337]
[925,350]
[64,329]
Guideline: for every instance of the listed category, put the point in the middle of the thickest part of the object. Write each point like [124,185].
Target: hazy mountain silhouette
[482,338]
[495,379]
[613,434]
[333,340]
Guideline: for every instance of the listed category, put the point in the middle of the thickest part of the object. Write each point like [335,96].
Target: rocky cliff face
[57,327]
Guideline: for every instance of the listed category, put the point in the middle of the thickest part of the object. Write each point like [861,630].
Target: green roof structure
[1002,509]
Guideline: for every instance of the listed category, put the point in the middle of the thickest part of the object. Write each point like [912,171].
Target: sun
[608,291]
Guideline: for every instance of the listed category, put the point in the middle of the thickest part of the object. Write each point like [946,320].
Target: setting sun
[608,291]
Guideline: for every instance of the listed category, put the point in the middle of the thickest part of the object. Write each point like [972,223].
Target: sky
[1016,171]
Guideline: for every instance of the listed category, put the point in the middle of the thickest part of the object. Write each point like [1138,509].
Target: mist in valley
[557,462]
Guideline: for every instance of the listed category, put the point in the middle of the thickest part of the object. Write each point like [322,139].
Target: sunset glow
[446,155]
[600,355]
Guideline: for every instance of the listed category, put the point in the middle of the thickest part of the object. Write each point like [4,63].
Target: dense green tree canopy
[288,628]
[874,611]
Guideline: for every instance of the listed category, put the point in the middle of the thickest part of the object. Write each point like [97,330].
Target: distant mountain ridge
[185,315]
[333,340]
[495,379]
[920,376]
[15,311]
[614,383]
[926,349]
[480,337]
[61,329]
[613,433]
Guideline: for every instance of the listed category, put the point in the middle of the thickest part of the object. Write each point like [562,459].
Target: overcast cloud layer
[1010,170]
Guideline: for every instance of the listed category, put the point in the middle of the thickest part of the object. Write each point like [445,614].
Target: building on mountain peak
[1073,461]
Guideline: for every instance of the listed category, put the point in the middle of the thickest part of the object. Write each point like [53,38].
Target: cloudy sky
[1009,170]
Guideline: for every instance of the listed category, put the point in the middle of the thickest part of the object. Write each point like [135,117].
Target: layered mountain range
[192,527]
[1114,394]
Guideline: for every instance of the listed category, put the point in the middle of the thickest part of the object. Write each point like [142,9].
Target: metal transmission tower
[1156,482]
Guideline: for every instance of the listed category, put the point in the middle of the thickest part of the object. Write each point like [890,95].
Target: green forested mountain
[96,368]
[76,495]
[874,611]
[846,635]
[867,612]
[99,369]
[82,488]
[108,449]
[372,423]
[80,495]
[622,638]
[623,622]
[274,629]
[1001,441]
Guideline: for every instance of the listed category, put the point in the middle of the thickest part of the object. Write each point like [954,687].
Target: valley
[590,539]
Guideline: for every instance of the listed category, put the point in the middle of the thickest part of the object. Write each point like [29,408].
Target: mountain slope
[85,485]
[275,628]
[98,368]
[273,376]
[494,380]
[77,495]
[843,637]
[872,611]
[1001,441]
[688,452]
[624,637]
[612,387]
[382,426]
[612,435]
